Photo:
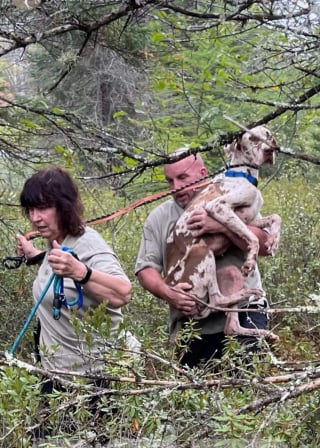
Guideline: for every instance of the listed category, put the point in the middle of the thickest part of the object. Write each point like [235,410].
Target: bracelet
[86,278]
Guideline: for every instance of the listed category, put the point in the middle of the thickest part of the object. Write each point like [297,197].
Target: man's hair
[54,187]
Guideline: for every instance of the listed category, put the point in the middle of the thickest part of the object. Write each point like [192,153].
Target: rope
[13,262]
[138,203]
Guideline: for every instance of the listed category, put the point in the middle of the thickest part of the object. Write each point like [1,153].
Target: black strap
[36,259]
[36,339]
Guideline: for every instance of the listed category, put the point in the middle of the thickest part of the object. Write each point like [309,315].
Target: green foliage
[163,414]
[210,76]
[293,274]
[242,70]
[19,393]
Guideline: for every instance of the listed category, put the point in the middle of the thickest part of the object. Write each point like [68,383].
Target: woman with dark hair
[77,254]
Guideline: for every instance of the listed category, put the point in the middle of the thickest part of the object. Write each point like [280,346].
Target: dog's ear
[228,149]
[232,147]
[273,141]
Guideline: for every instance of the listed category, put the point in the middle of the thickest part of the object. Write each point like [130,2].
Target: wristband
[86,278]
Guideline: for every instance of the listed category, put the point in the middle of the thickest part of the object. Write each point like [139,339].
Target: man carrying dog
[151,269]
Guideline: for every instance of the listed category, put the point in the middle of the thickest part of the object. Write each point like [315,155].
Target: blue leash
[59,298]
[30,317]
[59,295]
[58,301]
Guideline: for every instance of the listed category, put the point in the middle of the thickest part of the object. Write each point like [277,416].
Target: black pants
[93,406]
[210,346]
[67,425]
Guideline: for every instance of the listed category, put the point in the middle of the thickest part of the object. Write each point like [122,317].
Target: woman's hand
[25,247]
[102,287]
[65,264]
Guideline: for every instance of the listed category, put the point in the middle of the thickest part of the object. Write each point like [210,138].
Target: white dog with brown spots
[235,201]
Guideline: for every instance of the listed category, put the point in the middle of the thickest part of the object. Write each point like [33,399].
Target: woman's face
[45,221]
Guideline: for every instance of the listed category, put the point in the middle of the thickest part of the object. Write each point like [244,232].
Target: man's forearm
[177,297]
[262,236]
[151,280]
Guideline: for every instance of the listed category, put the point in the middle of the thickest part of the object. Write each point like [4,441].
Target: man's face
[182,173]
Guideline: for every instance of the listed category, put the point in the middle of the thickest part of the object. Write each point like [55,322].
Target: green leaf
[29,124]
[58,111]
[120,113]
[157,37]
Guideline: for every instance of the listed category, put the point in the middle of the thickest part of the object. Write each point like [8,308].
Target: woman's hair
[53,187]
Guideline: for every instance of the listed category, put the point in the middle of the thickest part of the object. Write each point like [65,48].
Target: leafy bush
[270,402]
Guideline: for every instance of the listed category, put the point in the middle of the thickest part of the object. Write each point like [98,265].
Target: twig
[298,309]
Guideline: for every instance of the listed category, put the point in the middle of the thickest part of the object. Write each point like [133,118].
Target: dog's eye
[254,139]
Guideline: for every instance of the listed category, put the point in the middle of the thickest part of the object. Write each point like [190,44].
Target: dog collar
[250,178]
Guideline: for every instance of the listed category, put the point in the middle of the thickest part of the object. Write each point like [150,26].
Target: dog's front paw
[248,267]
[272,244]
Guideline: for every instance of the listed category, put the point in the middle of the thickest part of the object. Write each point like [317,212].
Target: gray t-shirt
[152,253]
[61,348]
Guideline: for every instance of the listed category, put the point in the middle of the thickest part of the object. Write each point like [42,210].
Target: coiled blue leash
[58,301]
[59,298]
[59,295]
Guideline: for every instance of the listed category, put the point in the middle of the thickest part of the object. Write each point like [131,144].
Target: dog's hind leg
[230,281]
[233,328]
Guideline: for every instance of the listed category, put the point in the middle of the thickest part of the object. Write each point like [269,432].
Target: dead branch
[281,396]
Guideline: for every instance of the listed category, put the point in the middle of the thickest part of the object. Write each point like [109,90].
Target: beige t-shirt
[152,253]
[61,348]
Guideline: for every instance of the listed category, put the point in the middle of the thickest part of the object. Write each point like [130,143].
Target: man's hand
[177,297]
[200,222]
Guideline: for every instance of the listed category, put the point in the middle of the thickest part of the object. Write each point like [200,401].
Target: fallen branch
[281,396]
[193,380]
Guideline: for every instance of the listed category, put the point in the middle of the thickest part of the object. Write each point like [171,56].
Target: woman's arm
[103,287]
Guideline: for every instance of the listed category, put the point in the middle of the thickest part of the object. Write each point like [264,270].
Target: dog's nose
[272,149]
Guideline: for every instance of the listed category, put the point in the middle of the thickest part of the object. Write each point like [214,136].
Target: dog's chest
[198,202]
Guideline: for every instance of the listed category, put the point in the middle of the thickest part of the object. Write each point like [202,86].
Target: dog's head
[254,147]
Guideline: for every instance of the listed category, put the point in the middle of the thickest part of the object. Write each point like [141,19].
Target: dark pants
[67,425]
[211,346]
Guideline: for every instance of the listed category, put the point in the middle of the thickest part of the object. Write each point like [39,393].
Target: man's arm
[261,234]
[149,266]
[263,238]
[200,223]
